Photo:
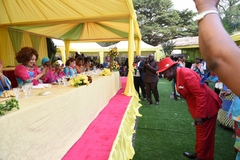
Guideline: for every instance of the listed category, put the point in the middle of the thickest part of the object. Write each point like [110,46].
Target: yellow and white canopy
[68,20]
[80,20]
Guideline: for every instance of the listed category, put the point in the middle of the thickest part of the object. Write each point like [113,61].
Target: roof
[192,42]
[124,45]
[186,42]
[75,20]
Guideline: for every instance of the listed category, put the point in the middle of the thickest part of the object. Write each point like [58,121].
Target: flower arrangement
[8,106]
[114,66]
[106,72]
[80,80]
[113,52]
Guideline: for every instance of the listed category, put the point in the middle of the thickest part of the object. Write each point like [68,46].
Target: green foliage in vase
[8,106]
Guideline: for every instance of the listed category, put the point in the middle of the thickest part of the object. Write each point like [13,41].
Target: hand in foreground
[204,5]
[198,121]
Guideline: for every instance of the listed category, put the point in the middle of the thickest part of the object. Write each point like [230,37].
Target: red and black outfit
[203,103]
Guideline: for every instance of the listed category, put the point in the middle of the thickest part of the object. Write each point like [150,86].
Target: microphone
[203,120]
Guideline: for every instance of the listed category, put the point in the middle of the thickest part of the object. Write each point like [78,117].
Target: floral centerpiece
[113,53]
[114,66]
[80,80]
[106,72]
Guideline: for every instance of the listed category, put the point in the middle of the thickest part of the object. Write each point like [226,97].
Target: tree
[105,44]
[159,22]
[187,26]
[230,15]
[52,49]
[168,47]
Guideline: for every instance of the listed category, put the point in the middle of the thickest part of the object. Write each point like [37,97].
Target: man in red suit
[203,104]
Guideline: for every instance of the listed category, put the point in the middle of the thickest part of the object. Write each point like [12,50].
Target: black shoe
[190,155]
[149,103]
[157,103]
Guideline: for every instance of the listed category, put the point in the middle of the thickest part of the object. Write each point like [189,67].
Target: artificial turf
[164,131]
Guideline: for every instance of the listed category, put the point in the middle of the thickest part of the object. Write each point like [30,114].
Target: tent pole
[130,89]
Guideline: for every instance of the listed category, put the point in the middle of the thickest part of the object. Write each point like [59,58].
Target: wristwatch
[203,14]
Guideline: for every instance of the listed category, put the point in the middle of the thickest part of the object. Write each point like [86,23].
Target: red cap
[165,63]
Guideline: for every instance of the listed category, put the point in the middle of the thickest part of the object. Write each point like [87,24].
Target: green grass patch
[164,131]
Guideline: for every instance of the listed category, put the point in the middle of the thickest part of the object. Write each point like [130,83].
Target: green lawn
[164,132]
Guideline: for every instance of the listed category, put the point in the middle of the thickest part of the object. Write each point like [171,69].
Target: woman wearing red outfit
[203,104]
[28,71]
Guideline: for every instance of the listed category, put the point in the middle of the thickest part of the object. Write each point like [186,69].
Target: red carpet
[96,142]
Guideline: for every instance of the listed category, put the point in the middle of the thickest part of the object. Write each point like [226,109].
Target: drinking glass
[16,92]
[64,80]
[25,89]
[29,91]
[59,80]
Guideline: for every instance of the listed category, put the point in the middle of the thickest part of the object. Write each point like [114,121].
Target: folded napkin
[7,93]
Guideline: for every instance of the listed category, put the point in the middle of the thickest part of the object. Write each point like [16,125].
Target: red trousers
[205,137]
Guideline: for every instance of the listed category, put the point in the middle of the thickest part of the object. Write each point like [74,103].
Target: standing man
[151,79]
[203,104]
[139,77]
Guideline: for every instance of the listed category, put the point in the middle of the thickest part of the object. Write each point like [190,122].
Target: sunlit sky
[184,4]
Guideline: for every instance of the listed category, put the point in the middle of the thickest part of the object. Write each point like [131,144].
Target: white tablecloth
[46,127]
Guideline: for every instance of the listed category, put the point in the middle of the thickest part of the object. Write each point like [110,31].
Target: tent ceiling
[76,20]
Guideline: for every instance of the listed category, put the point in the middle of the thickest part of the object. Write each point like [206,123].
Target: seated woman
[58,65]
[79,65]
[70,69]
[5,83]
[49,77]
[28,71]
[87,65]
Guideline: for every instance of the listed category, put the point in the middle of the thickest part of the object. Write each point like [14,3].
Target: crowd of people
[27,70]
[146,78]
[221,55]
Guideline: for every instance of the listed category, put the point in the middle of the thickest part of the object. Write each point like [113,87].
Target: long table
[46,127]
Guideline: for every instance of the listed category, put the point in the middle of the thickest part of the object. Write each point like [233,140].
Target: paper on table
[44,93]
[43,85]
